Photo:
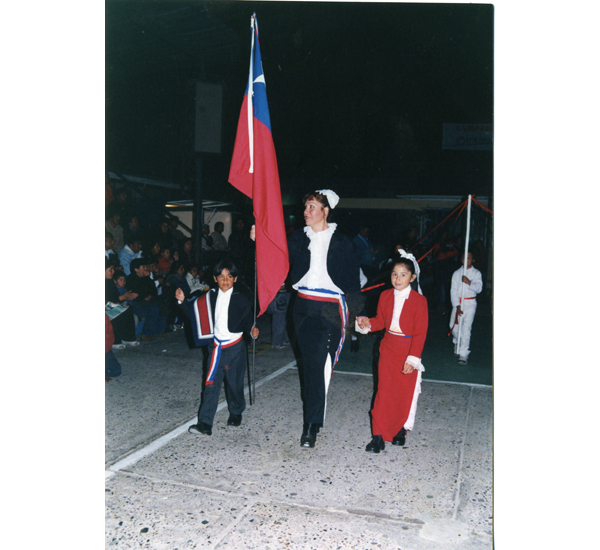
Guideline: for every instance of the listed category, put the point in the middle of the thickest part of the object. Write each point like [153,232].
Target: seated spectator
[219,241]
[196,285]
[175,279]
[131,228]
[146,305]
[112,226]
[165,261]
[157,279]
[122,203]
[120,280]
[185,252]
[122,322]
[176,234]
[207,242]
[131,251]
[109,253]
[163,235]
[151,248]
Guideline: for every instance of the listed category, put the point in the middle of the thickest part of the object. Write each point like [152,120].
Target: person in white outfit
[464,306]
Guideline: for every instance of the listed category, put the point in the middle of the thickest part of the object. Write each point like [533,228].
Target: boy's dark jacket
[240,315]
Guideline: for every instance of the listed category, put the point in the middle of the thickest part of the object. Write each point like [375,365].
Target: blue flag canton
[261,108]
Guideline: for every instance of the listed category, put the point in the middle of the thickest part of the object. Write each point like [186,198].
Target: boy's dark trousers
[232,367]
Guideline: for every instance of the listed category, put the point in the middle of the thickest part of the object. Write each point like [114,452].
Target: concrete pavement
[254,486]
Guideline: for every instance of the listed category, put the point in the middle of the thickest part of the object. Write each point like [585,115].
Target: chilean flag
[254,172]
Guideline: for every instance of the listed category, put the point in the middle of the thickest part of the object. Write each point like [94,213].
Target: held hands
[466,280]
[254,332]
[129,295]
[363,322]
[458,310]
[179,295]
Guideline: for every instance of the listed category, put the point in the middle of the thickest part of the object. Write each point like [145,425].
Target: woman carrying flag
[325,270]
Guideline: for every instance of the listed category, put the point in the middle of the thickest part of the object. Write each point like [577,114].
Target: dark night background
[358,92]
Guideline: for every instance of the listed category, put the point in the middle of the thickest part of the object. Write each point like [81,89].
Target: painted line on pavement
[163,440]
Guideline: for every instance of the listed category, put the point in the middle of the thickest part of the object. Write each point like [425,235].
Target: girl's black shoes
[400,438]
[377,444]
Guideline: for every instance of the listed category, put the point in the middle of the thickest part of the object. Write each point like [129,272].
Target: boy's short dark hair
[219,224]
[228,265]
[137,263]
[118,274]
[152,259]
[133,239]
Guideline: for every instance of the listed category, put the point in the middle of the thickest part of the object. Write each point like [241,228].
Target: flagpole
[462,297]
[253,340]
[251,98]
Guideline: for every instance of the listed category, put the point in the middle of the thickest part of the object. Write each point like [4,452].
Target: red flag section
[254,172]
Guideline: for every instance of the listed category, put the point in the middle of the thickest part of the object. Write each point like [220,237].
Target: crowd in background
[145,265]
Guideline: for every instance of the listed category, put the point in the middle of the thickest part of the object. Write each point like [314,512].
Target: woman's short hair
[319,197]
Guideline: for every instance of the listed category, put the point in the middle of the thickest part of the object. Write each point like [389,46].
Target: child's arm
[419,333]
[476,282]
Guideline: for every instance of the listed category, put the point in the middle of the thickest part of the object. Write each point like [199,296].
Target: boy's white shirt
[400,297]
[222,317]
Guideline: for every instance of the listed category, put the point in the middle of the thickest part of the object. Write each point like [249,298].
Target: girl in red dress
[402,313]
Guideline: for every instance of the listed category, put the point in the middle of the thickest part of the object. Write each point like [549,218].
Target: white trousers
[469,308]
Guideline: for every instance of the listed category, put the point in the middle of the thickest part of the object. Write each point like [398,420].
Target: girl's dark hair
[176,265]
[407,262]
[228,265]
[319,197]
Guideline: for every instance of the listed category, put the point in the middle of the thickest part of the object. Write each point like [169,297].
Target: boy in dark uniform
[221,316]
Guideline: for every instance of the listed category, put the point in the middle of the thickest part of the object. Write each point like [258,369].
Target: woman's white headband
[332,197]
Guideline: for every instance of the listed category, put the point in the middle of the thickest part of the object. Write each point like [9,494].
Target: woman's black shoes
[377,444]
[309,435]
[400,438]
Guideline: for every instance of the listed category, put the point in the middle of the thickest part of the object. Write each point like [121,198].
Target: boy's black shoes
[377,444]
[200,428]
[234,420]
[400,438]
[309,435]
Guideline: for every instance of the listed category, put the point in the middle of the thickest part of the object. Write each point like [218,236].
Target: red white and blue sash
[216,357]
[323,295]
